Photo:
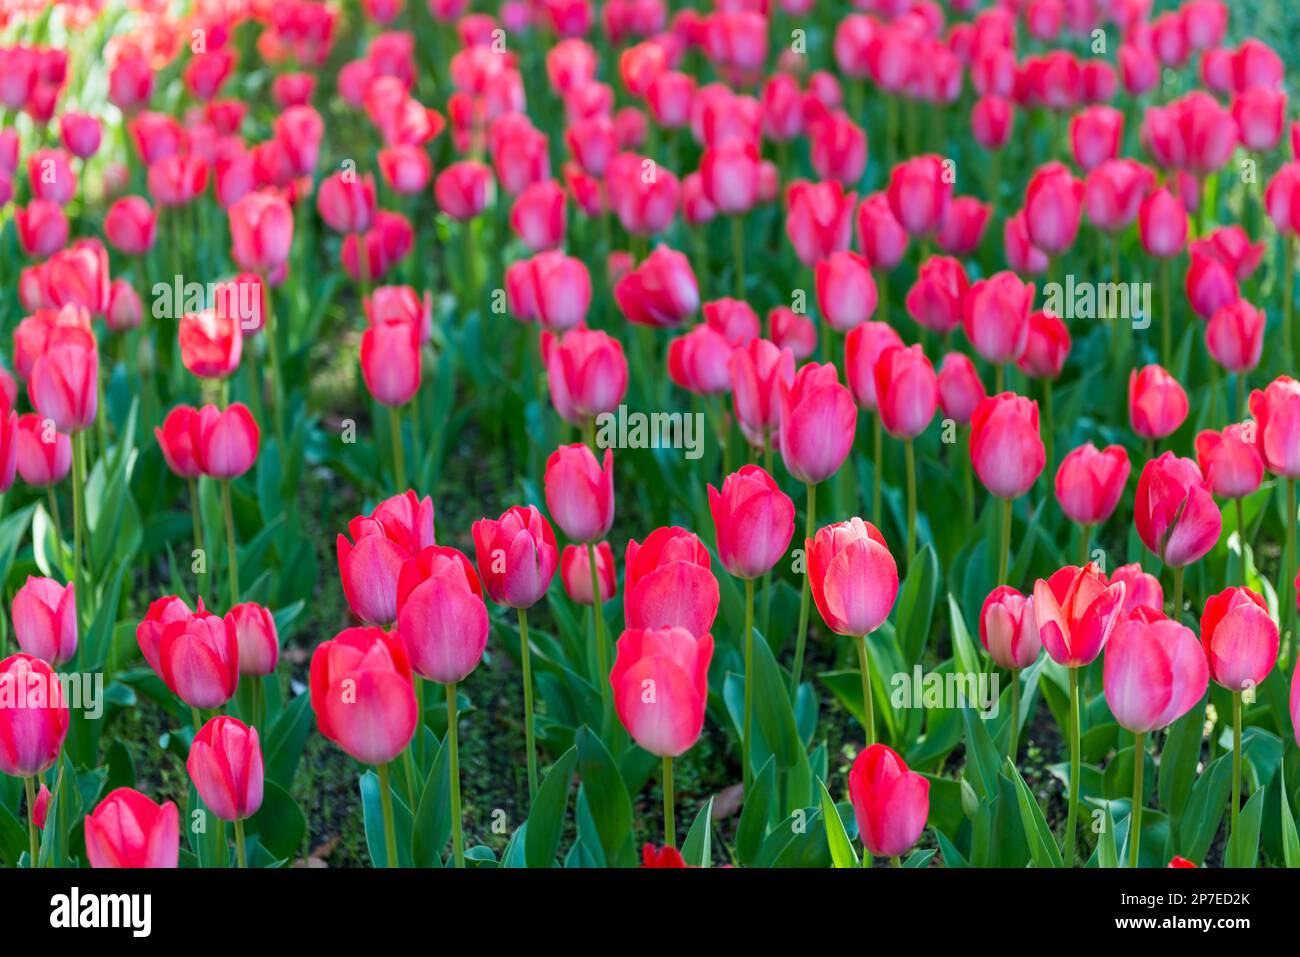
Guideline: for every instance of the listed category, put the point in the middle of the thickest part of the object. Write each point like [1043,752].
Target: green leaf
[1243,845]
[373,815]
[951,856]
[1107,855]
[772,712]
[982,754]
[607,797]
[433,816]
[752,829]
[1290,840]
[963,649]
[920,858]
[697,851]
[842,852]
[1042,845]
[546,817]
[1177,769]
[285,740]
[279,823]
[1204,810]
[916,605]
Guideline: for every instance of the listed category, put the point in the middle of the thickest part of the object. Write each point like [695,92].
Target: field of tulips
[556,433]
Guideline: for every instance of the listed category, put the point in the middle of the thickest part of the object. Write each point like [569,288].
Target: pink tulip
[937,297]
[1240,639]
[441,618]
[890,802]
[1234,336]
[668,582]
[225,764]
[1006,448]
[126,829]
[1008,628]
[33,716]
[575,573]
[586,372]
[1154,673]
[580,492]
[1077,612]
[1174,511]
[1114,191]
[1229,461]
[907,390]
[919,192]
[1141,589]
[960,387]
[1053,208]
[516,556]
[758,373]
[1157,404]
[996,316]
[198,658]
[362,694]
[660,292]
[45,620]
[846,291]
[818,419]
[881,237]
[255,635]
[853,577]
[1089,483]
[753,520]
[675,664]
[1046,347]
[818,219]
[1162,224]
[862,348]
[1276,411]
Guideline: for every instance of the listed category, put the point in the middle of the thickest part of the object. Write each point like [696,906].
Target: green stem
[968,477]
[1049,429]
[1241,536]
[272,334]
[241,855]
[868,706]
[1073,814]
[1178,594]
[999,379]
[1014,747]
[767,576]
[59,555]
[1288,573]
[1135,817]
[196,516]
[878,453]
[1236,766]
[390,829]
[670,828]
[399,453]
[1004,555]
[230,541]
[457,840]
[1085,533]
[525,655]
[1167,323]
[29,783]
[749,682]
[738,253]
[79,522]
[910,455]
[408,767]
[598,621]
[801,636]
[1288,290]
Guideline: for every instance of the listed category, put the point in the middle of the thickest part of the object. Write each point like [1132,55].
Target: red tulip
[669,97]
[1008,628]
[1053,208]
[882,238]
[1089,483]
[1005,446]
[660,292]
[176,180]
[818,419]
[1282,210]
[995,315]
[33,716]
[735,319]
[960,388]
[992,119]
[674,665]
[42,228]
[1162,224]
[555,287]
[1234,336]
[1047,347]
[227,440]
[81,134]
[45,620]
[43,454]
[890,802]
[441,616]
[838,148]
[397,530]
[818,219]
[390,362]
[1157,404]
[9,449]
[580,492]
[754,522]
[575,573]
[225,764]
[1141,589]
[907,390]
[346,201]
[363,695]
[538,215]
[1077,611]
[406,169]
[63,386]
[1210,285]
[586,372]
[1240,639]
[255,635]
[757,373]
[1114,193]
[178,440]
[1154,673]
[936,299]
[729,174]
[846,292]
[963,227]
[126,829]
[920,190]
[853,577]
[211,342]
[1276,411]
[1174,511]
[198,658]
[516,556]
[668,582]
[699,361]
[261,231]
[1260,114]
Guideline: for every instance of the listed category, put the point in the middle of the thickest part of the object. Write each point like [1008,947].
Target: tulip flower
[1154,673]
[1276,410]
[42,228]
[1157,404]
[1232,469]
[1234,336]
[586,372]
[390,365]
[575,573]
[1077,612]
[919,192]
[1175,514]
[397,530]
[1053,208]
[255,635]
[666,720]
[660,292]
[211,343]
[225,764]
[45,620]
[1241,644]
[936,299]
[363,696]
[890,802]
[127,829]
[854,580]
[1009,633]
[846,293]
[1089,485]
[1007,453]
[907,393]
[757,371]
[818,219]
[995,315]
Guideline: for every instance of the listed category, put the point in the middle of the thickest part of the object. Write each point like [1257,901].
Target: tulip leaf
[920,858]
[606,794]
[1204,809]
[432,824]
[697,850]
[279,823]
[842,852]
[373,814]
[952,857]
[982,754]
[1042,844]
[63,811]
[963,649]
[772,711]
[1107,855]
[1290,839]
[1243,844]
[546,817]
[752,829]
[915,608]
[285,739]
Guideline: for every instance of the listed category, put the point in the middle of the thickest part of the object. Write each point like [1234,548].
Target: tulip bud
[225,764]
[255,634]
[575,573]
[668,582]
[1174,512]
[852,576]
[754,522]
[580,492]
[1009,629]
[516,556]
[1006,448]
[441,617]
[363,695]
[667,720]
[1154,674]
[126,829]
[818,420]
[33,716]
[1157,403]
[45,620]
[1240,639]
[890,802]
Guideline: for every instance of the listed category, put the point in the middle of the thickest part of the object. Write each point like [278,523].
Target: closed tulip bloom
[1008,628]
[587,373]
[198,658]
[255,634]
[729,174]
[1053,208]
[757,371]
[225,764]
[644,205]
[227,440]
[960,388]
[381,543]
[1231,245]
[1276,411]
[363,694]
[211,342]
[390,362]
[1046,348]
[1141,589]
[881,237]
[991,120]
[406,169]
[1022,255]
[818,420]
[699,361]
[919,192]
[575,573]
[996,316]
[907,391]
[675,664]
[63,386]
[1095,135]
[754,521]
[1210,285]
[261,231]
[176,180]
[735,319]
[838,148]
[580,492]
[516,556]
[538,215]
[1006,448]
[853,577]
[1281,208]
[669,583]
[148,634]
[890,802]
[50,176]
[660,292]
[1157,404]
[346,201]
[1234,336]
[43,454]
[441,616]
[126,829]
[1090,482]
[78,276]
[1113,195]
[80,133]
[963,227]
[1162,224]
[846,292]
[1077,611]
[178,440]
[45,620]
[1174,511]
[937,297]
[863,347]
[1230,462]
[558,286]
[463,189]
[1260,114]
[818,219]
[33,716]
[1240,639]
[125,311]
[1154,673]
[42,228]
[8,449]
